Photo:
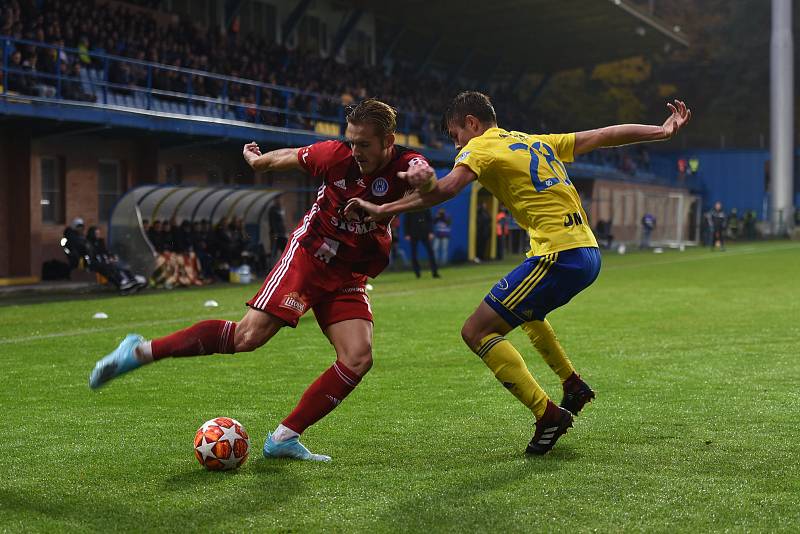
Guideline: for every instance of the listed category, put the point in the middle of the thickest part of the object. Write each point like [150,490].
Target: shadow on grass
[479,500]
[269,472]
[188,501]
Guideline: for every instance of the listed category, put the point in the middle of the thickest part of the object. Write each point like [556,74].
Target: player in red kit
[324,268]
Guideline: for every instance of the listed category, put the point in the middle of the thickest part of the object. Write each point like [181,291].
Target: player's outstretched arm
[442,190]
[626,134]
[283,159]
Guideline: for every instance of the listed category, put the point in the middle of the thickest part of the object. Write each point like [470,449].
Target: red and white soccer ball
[221,444]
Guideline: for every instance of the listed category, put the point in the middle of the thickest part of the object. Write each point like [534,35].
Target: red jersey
[353,245]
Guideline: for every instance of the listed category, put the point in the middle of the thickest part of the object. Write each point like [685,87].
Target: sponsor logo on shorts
[293,301]
[353,290]
[503,284]
[380,187]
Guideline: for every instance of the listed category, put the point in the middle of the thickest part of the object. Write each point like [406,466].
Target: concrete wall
[625,203]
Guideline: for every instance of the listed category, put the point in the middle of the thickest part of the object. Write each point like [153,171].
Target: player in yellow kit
[526,173]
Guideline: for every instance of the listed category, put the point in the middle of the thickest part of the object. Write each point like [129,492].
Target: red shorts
[300,281]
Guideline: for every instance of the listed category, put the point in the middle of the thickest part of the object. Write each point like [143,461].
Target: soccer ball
[221,444]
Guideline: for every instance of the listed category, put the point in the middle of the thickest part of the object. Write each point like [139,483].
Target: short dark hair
[469,103]
[372,111]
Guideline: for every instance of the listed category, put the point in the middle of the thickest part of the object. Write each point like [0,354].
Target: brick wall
[143,160]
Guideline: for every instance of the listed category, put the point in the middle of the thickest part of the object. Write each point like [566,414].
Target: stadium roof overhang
[518,36]
[128,239]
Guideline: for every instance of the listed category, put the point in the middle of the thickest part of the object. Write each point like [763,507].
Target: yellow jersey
[526,173]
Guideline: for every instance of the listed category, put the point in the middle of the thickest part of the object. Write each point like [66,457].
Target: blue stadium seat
[129,101]
[139,100]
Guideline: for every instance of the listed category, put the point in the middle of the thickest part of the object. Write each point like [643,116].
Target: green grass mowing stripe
[440,286]
[694,428]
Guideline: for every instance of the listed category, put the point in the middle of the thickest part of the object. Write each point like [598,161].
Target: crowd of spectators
[218,248]
[139,31]
[136,34]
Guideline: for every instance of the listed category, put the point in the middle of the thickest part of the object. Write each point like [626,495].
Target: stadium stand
[167,64]
[166,97]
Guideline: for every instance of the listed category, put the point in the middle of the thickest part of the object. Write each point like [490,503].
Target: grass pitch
[694,356]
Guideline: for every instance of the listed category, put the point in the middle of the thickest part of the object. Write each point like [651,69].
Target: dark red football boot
[553,424]
[577,394]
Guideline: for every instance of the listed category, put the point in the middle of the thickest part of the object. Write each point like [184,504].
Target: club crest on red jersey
[380,187]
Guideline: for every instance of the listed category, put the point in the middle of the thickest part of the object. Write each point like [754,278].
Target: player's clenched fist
[419,173]
[251,152]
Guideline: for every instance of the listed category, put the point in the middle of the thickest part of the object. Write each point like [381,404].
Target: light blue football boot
[118,362]
[291,448]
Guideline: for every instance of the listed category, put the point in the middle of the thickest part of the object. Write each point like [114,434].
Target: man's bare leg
[352,340]
[200,339]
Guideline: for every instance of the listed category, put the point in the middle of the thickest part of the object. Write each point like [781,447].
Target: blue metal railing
[272,105]
[216,96]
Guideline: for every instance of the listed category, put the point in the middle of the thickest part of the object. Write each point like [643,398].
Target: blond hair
[379,114]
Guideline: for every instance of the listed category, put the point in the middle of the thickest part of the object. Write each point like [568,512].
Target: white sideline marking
[128,326]
[711,256]
[465,282]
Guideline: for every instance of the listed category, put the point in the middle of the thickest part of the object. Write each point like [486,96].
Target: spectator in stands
[41,85]
[47,63]
[276,217]
[120,75]
[72,87]
[83,51]
[18,81]
[418,229]
[719,222]
[648,225]
[441,237]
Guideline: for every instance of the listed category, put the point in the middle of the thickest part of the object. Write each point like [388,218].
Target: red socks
[321,397]
[205,337]
[213,337]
